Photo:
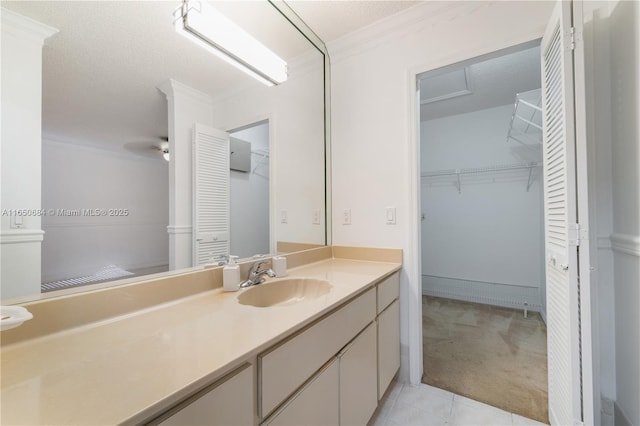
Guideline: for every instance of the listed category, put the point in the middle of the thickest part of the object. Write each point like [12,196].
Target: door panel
[210,194]
[561,218]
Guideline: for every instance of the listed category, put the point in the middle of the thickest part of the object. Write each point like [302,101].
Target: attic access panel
[445,86]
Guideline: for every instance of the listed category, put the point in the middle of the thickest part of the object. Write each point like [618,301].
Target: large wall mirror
[109,144]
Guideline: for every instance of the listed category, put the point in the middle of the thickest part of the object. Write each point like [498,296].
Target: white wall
[249,198]
[597,58]
[491,234]
[81,177]
[625,142]
[374,157]
[295,110]
[22,41]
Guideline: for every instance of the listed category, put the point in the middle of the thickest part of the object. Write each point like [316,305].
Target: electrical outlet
[346,217]
[284,216]
[315,219]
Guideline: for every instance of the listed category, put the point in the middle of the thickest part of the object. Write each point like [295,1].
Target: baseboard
[619,418]
[497,294]
[543,315]
[606,411]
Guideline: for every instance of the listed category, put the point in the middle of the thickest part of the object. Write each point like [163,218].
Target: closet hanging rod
[529,122]
[476,170]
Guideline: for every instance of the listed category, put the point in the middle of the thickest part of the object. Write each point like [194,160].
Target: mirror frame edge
[294,19]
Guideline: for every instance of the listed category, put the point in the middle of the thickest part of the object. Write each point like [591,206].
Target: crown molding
[397,25]
[115,151]
[173,88]
[24,27]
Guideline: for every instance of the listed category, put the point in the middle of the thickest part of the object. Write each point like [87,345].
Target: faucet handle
[256,265]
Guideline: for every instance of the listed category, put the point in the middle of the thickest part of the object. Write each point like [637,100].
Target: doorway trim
[412,258]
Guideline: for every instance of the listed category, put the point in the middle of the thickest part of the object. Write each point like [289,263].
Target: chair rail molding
[626,243]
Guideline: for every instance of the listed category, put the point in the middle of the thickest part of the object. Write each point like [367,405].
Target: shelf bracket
[530,181]
[458,182]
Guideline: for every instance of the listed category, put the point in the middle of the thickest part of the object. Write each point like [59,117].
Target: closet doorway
[249,188]
[482,230]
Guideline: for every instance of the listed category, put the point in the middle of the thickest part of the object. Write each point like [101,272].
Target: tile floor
[407,405]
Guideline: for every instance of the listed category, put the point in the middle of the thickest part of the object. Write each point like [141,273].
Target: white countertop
[129,368]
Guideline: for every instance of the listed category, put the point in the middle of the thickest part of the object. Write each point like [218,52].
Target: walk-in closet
[482,230]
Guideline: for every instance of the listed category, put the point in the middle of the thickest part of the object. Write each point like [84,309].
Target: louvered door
[561,219]
[210,193]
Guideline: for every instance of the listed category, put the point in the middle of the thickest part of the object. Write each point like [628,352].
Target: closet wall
[483,243]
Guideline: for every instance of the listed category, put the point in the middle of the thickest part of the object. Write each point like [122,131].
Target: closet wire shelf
[263,158]
[526,121]
[479,170]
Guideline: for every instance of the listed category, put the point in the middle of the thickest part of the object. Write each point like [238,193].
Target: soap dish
[13,316]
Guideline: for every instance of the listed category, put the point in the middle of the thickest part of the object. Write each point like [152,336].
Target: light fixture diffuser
[210,29]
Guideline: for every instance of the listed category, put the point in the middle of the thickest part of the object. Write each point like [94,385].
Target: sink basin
[284,292]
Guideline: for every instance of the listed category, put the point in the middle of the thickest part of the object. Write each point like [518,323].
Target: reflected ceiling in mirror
[105,63]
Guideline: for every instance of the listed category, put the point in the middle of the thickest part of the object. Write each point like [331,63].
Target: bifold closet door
[562,229]
[210,193]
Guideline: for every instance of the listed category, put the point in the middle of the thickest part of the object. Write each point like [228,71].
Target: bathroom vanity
[206,358]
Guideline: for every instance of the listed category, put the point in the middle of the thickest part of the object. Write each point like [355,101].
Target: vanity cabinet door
[284,368]
[359,378]
[388,346]
[227,402]
[316,403]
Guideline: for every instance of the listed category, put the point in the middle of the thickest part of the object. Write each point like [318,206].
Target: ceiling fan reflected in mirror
[150,149]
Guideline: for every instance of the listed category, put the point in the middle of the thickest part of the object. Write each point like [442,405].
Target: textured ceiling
[493,82]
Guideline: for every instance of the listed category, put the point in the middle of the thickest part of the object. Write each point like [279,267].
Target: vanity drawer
[227,402]
[388,291]
[287,366]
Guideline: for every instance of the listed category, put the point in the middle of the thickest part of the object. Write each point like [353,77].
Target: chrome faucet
[256,275]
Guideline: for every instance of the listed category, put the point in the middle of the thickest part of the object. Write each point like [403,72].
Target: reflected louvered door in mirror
[210,194]
[562,237]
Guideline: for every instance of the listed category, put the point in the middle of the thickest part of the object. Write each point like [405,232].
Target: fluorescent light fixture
[203,24]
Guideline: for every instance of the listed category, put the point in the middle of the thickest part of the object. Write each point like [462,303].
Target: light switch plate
[346,217]
[391,215]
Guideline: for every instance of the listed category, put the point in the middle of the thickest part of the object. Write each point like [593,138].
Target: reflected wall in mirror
[121,91]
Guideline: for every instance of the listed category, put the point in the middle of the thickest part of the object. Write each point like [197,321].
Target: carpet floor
[487,353]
